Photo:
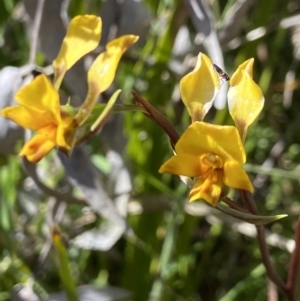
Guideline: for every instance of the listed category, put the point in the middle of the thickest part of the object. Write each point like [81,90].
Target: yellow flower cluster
[211,154]
[39,104]
[214,154]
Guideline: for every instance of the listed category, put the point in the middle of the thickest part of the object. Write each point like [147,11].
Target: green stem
[64,265]
[98,110]
[117,108]
[157,289]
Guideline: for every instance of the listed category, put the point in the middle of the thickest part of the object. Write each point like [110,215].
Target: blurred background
[130,232]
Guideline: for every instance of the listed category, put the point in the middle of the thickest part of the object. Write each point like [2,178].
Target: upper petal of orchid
[199,87]
[245,98]
[203,138]
[102,73]
[104,68]
[83,35]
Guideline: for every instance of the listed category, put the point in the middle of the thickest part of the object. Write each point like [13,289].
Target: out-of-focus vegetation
[165,249]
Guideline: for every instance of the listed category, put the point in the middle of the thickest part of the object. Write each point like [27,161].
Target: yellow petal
[199,87]
[245,98]
[102,73]
[37,147]
[204,138]
[83,35]
[26,117]
[206,190]
[39,105]
[104,67]
[183,165]
[65,136]
[247,66]
[235,176]
[40,95]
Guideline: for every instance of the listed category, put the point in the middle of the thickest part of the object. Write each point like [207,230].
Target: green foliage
[180,251]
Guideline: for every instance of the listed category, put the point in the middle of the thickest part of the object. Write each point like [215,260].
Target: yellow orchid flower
[199,88]
[245,98]
[212,154]
[40,108]
[40,111]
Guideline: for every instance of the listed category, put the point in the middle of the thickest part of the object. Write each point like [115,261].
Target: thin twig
[30,169]
[293,275]
[250,204]
[36,30]
[234,205]
[64,12]
[91,133]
